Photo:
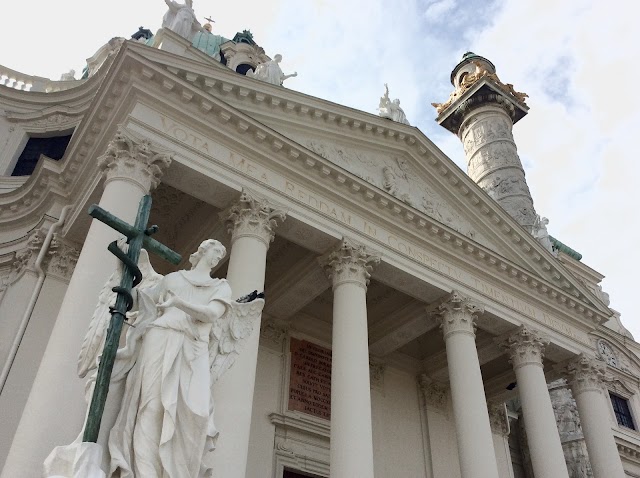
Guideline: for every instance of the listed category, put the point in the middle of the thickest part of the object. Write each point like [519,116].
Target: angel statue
[270,72]
[181,19]
[391,109]
[186,331]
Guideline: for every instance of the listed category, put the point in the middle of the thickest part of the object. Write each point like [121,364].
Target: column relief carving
[254,217]
[525,347]
[587,374]
[499,419]
[350,263]
[435,394]
[62,258]
[458,314]
[134,159]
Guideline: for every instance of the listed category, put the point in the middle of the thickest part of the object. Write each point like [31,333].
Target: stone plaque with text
[310,379]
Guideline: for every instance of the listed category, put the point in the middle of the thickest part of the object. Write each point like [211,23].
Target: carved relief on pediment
[395,175]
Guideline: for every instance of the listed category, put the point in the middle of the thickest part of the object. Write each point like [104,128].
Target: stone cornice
[198,90]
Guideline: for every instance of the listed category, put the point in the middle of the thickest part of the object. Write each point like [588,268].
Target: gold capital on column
[131,158]
[525,347]
[350,262]
[458,314]
[587,374]
[252,216]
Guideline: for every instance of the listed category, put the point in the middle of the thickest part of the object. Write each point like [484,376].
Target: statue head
[207,26]
[277,58]
[211,251]
[189,3]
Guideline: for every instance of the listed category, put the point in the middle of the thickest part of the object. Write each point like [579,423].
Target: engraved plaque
[310,380]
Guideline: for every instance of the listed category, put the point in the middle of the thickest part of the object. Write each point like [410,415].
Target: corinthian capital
[458,314]
[252,216]
[525,347]
[130,158]
[350,262]
[587,374]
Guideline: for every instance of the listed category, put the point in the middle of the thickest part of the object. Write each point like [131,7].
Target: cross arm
[150,244]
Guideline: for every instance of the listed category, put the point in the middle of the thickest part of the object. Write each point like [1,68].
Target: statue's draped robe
[269,72]
[209,43]
[165,424]
[180,19]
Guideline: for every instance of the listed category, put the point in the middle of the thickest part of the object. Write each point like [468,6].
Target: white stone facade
[438,306]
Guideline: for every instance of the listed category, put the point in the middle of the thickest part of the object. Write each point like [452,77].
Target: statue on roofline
[186,332]
[391,109]
[181,19]
[270,72]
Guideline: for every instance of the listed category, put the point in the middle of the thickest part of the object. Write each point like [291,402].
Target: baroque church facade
[418,322]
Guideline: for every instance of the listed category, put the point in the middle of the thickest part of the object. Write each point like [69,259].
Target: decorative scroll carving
[471,79]
[458,314]
[499,419]
[62,258]
[273,332]
[252,216]
[435,394]
[25,258]
[134,159]
[588,374]
[525,347]
[350,263]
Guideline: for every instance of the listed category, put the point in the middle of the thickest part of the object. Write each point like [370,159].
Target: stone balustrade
[19,81]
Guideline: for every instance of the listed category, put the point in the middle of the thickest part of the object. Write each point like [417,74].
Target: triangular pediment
[374,157]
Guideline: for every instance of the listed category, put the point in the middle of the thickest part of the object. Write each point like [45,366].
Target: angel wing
[93,342]
[229,334]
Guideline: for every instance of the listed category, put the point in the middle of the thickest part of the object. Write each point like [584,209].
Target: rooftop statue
[270,72]
[391,109]
[208,42]
[186,332]
[181,19]
[541,234]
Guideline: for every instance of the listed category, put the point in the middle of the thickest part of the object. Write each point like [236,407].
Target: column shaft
[473,429]
[251,223]
[351,431]
[526,350]
[351,448]
[587,387]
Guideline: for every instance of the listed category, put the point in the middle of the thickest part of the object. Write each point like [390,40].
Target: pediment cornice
[204,89]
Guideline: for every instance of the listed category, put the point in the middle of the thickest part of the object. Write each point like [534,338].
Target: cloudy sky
[577,60]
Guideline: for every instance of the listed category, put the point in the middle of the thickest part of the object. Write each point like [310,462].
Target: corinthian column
[351,453]
[587,386]
[526,350]
[473,430]
[54,412]
[251,222]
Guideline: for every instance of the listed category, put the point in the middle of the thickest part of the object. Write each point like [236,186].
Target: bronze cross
[138,235]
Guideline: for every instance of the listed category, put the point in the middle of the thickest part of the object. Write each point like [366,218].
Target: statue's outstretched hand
[170,300]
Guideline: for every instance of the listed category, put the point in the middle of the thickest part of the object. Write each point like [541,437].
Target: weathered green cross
[138,236]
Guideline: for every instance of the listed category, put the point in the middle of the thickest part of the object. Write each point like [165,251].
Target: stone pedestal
[471,416]
[526,350]
[55,409]
[251,222]
[351,433]
[587,387]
